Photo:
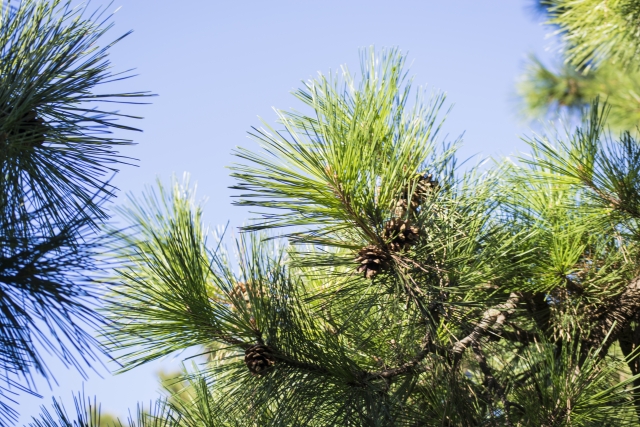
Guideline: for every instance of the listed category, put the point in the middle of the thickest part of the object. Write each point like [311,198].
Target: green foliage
[597,30]
[57,155]
[544,90]
[57,151]
[600,43]
[348,159]
[514,303]
[88,414]
[47,299]
[381,284]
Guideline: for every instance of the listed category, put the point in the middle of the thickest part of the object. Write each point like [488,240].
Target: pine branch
[302,365]
[47,299]
[87,413]
[546,92]
[494,317]
[613,201]
[518,335]
[538,307]
[337,180]
[56,151]
[596,31]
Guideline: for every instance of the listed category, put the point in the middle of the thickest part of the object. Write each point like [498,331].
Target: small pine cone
[426,183]
[372,260]
[239,295]
[421,187]
[240,292]
[400,234]
[259,358]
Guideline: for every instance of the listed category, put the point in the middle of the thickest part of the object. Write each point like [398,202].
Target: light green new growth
[601,52]
[336,172]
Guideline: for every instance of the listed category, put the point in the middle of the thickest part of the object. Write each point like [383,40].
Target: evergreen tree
[382,285]
[57,156]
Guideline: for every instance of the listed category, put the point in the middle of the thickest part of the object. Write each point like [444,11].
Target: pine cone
[259,359]
[426,184]
[417,191]
[240,292]
[372,260]
[400,234]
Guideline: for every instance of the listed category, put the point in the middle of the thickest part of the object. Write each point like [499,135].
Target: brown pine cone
[372,260]
[259,358]
[240,293]
[400,234]
[426,183]
[417,191]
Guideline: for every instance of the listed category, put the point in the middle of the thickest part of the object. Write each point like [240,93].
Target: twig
[613,201]
[337,190]
[519,335]
[493,317]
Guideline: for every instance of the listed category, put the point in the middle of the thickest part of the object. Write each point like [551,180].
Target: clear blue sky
[218,65]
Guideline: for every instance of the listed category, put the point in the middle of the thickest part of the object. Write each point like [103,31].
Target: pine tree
[57,156]
[382,285]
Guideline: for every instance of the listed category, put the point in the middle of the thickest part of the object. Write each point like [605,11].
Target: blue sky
[219,66]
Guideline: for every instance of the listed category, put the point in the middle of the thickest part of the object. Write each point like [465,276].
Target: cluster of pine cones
[399,234]
[415,194]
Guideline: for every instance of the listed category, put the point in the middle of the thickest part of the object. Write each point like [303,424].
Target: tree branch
[288,360]
[344,199]
[629,342]
[408,367]
[493,317]
[537,306]
[405,368]
[614,202]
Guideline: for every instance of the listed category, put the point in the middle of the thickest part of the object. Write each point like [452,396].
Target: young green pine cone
[240,293]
